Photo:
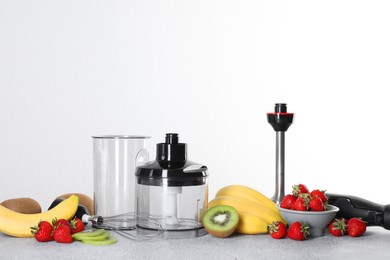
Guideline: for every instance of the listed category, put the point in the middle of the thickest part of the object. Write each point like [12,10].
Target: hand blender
[280,120]
[372,213]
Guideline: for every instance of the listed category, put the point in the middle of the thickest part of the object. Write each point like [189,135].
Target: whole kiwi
[84,200]
[23,205]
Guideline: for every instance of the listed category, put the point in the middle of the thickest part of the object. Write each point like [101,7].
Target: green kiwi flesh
[220,220]
[108,241]
[98,237]
[88,233]
[101,237]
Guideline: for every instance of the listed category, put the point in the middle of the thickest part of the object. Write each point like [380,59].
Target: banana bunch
[256,211]
[19,225]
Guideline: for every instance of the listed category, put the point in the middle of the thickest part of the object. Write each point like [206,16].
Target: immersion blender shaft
[280,120]
[279,177]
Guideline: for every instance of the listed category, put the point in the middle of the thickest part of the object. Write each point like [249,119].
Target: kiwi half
[220,220]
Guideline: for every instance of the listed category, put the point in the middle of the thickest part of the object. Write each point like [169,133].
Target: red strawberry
[77,225]
[57,222]
[315,204]
[298,231]
[301,204]
[62,234]
[43,232]
[299,189]
[338,227]
[288,201]
[320,194]
[277,230]
[356,227]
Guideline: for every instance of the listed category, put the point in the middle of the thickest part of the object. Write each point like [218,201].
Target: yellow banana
[251,225]
[247,207]
[19,225]
[247,193]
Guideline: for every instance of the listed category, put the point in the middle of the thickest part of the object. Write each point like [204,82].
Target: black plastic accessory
[81,210]
[280,120]
[171,166]
[171,154]
[372,213]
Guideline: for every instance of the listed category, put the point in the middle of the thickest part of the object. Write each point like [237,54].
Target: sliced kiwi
[221,220]
[103,236]
[107,241]
[97,237]
[88,234]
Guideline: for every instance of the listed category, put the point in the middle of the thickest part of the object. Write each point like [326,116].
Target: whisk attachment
[125,221]
[126,225]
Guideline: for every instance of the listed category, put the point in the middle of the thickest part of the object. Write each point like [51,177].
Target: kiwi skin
[214,229]
[23,205]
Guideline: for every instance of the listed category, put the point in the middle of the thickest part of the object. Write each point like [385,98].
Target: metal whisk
[126,225]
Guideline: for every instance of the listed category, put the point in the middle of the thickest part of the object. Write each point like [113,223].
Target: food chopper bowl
[317,220]
[179,210]
[173,190]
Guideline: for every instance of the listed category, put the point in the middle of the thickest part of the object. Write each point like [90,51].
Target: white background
[209,70]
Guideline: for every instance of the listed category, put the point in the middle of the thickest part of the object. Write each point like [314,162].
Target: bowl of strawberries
[311,208]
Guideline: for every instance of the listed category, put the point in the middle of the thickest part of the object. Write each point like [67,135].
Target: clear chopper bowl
[173,190]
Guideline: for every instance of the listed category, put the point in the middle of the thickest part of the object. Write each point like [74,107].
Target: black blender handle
[81,210]
[372,213]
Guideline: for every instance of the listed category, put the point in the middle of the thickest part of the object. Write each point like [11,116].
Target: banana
[251,225]
[19,225]
[248,207]
[248,194]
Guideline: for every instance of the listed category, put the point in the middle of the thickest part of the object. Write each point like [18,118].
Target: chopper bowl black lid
[171,166]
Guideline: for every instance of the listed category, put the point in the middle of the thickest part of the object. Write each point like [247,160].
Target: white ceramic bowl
[317,220]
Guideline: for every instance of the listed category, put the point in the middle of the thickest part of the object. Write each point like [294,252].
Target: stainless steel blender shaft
[279,177]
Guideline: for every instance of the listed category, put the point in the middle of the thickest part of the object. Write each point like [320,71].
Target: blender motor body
[372,213]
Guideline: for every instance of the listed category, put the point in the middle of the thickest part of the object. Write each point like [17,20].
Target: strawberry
[301,203]
[277,230]
[77,225]
[62,234]
[356,227]
[43,232]
[338,227]
[299,189]
[288,201]
[298,231]
[315,204]
[57,222]
[320,194]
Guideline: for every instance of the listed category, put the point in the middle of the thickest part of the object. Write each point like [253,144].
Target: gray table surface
[374,244]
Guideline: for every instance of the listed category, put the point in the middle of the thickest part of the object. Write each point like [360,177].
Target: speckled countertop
[374,244]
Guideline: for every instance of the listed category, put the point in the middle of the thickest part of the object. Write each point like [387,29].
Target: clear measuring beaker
[115,158]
